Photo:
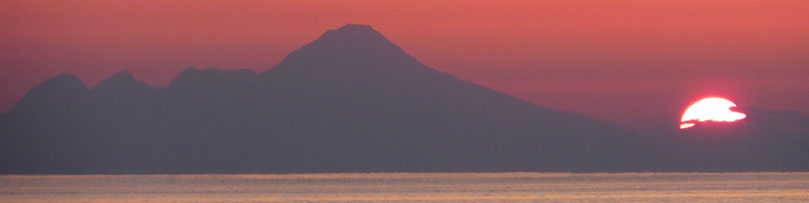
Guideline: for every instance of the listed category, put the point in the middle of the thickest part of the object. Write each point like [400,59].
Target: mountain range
[352,101]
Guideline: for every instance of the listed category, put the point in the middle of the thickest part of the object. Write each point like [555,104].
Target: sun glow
[710,109]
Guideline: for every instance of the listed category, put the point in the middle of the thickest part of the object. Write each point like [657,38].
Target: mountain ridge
[350,101]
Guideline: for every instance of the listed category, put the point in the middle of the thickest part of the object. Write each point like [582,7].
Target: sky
[635,63]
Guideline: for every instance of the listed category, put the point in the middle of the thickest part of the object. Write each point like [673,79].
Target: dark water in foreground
[421,187]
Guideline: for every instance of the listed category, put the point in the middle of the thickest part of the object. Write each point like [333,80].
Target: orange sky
[635,63]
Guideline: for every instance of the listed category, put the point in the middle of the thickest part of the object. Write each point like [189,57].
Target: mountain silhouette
[49,96]
[350,101]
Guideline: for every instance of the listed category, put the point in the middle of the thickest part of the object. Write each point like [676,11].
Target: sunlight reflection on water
[422,187]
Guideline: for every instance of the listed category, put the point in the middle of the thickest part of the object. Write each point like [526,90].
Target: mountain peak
[123,75]
[359,27]
[63,83]
[65,79]
[57,89]
[354,33]
[121,80]
[351,49]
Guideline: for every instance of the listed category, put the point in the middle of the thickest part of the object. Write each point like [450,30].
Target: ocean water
[411,187]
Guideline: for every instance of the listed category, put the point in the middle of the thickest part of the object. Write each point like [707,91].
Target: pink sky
[634,63]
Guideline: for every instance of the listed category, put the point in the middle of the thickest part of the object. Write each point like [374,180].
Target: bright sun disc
[710,109]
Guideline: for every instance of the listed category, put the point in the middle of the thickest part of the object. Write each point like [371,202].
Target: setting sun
[710,109]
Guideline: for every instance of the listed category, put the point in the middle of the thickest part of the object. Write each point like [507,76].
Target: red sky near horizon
[634,63]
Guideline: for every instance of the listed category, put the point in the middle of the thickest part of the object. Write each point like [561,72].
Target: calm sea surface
[406,187]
